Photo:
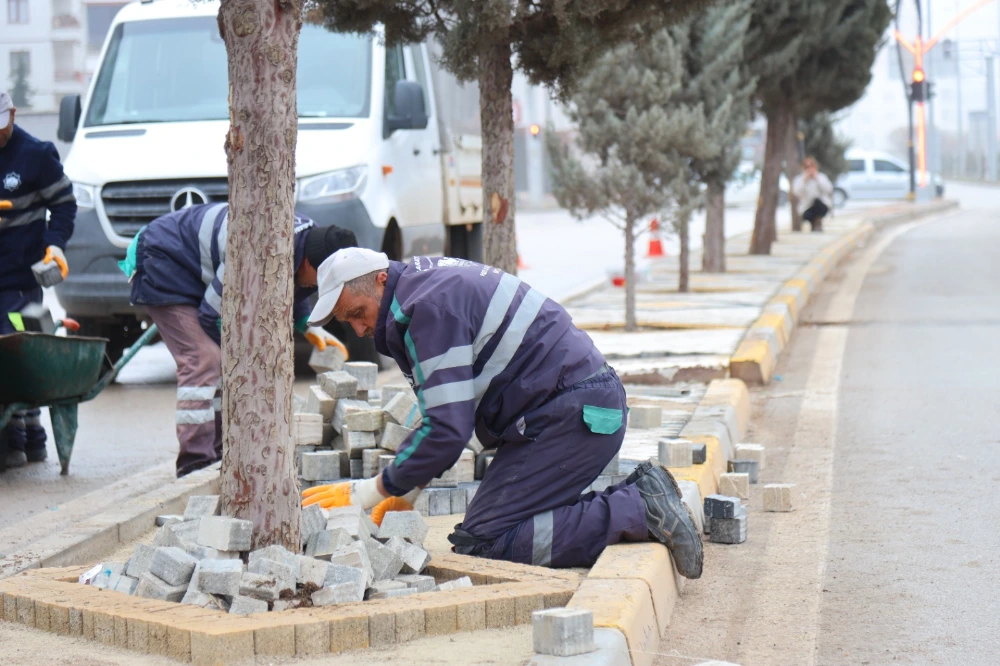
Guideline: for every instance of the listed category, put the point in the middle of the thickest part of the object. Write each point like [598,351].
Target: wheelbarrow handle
[110,375]
[71,325]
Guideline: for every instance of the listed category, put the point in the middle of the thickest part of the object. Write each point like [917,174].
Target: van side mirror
[411,113]
[69,118]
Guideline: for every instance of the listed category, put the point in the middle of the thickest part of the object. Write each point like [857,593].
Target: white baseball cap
[6,104]
[340,267]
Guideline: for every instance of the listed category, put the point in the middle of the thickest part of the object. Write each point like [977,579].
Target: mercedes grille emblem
[187,197]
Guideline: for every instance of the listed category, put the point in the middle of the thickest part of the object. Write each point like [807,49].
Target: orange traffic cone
[655,243]
[521,266]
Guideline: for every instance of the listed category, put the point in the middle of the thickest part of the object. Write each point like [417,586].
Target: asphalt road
[884,415]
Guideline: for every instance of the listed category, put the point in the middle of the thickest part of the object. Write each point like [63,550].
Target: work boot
[16,458]
[667,518]
[36,454]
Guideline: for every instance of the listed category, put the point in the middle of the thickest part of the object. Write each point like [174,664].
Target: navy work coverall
[487,353]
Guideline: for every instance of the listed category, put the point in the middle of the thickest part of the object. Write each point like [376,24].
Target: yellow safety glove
[5,205]
[54,253]
[320,338]
[387,505]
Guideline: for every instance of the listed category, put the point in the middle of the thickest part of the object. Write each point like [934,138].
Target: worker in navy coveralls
[486,353]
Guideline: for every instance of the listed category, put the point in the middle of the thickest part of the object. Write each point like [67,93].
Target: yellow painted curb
[649,563]
[752,362]
[625,605]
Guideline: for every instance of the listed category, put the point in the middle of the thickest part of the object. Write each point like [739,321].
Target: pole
[958,106]
[991,123]
[931,146]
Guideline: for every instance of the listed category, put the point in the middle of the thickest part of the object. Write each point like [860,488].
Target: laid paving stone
[730,530]
[778,497]
[223,533]
[675,453]
[751,452]
[313,521]
[319,402]
[721,506]
[172,565]
[386,563]
[152,587]
[324,544]
[320,465]
[415,559]
[353,520]
[338,384]
[409,525]
[199,506]
[141,560]
[283,574]
[749,467]
[402,410]
[367,420]
[219,577]
[366,373]
[563,632]
[243,605]
[336,594]
[736,485]
[645,416]
[417,582]
[355,555]
[259,586]
[393,435]
[370,461]
[699,453]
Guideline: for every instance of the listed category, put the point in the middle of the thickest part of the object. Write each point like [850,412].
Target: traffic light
[918,89]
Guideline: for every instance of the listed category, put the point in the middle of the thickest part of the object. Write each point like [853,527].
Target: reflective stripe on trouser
[198,361]
[529,504]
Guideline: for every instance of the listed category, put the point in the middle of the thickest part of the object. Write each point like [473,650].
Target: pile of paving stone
[347,429]
[204,559]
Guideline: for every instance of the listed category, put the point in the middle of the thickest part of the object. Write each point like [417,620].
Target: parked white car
[875,175]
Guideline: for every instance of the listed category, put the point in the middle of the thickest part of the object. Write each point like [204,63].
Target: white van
[375,150]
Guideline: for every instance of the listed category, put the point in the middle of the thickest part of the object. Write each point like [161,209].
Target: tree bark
[793,167]
[630,323]
[684,258]
[713,257]
[497,119]
[764,227]
[258,463]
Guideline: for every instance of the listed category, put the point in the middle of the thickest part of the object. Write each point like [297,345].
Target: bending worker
[486,352]
[176,266]
[31,182]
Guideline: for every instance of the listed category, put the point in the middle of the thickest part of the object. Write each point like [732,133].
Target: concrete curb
[97,535]
[757,354]
[633,588]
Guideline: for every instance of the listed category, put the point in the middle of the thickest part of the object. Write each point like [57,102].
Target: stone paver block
[355,442]
[463,471]
[177,534]
[675,453]
[737,485]
[721,506]
[459,500]
[410,625]
[386,586]
[278,554]
[355,555]
[563,632]
[366,373]
[749,467]
[367,420]
[625,605]
[319,402]
[778,497]
[646,562]
[417,582]
[610,649]
[691,497]
[313,521]
[223,533]
[385,461]
[389,391]
[172,565]
[323,544]
[206,553]
[321,465]
[393,435]
[141,560]
[402,410]
[356,468]
[345,405]
[336,594]
[122,583]
[645,416]
[338,384]
[283,574]
[348,633]
[243,605]
[409,525]
[438,501]
[730,530]
[415,559]
[259,586]
[199,506]
[340,574]
[353,520]
[699,453]
[370,461]
[330,359]
[501,612]
[456,584]
[307,429]
[382,629]
[470,615]
[311,571]
[751,452]
[440,620]
[386,563]
[274,641]
[152,587]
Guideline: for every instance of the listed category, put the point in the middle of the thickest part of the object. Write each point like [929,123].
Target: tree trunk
[713,257]
[764,228]
[793,167]
[630,323]
[497,120]
[258,463]
[684,259]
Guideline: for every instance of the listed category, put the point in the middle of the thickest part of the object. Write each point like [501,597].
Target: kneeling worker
[486,352]
[176,266]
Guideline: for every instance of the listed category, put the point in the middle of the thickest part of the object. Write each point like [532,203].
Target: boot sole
[658,523]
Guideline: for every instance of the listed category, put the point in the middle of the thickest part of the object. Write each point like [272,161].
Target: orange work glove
[53,253]
[328,497]
[387,505]
[320,338]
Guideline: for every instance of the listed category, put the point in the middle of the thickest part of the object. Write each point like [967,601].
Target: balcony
[66,26]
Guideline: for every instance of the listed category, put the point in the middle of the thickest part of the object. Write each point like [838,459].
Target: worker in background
[32,183]
[814,193]
[487,353]
[176,266]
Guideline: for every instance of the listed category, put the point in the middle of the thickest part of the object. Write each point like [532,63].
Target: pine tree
[551,42]
[639,135]
[824,144]
[20,92]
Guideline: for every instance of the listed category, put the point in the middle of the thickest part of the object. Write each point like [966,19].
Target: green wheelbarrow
[42,370]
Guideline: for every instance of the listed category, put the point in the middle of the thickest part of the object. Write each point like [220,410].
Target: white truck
[388,147]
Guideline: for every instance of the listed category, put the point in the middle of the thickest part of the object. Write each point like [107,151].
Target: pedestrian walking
[814,193]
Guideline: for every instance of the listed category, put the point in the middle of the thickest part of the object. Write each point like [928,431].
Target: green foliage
[825,145]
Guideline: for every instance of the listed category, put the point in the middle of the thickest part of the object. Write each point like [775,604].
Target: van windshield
[175,70]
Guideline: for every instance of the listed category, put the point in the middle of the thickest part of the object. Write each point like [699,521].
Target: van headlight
[85,195]
[333,186]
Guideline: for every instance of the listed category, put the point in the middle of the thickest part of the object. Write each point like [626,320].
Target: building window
[17,11]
